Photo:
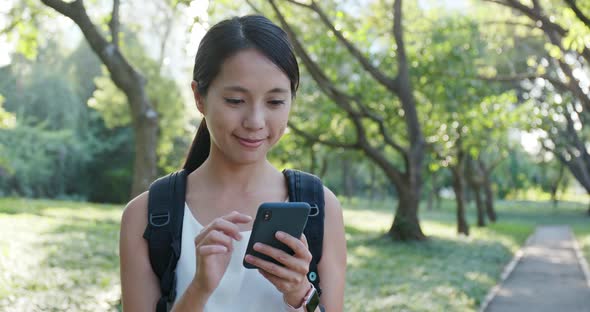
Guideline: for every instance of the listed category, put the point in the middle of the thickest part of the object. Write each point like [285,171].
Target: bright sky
[178,47]
[530,142]
[449,4]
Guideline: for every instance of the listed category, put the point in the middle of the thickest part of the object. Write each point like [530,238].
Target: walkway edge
[505,273]
[581,259]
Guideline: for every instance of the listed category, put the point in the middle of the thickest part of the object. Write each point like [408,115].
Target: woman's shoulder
[331,202]
[135,213]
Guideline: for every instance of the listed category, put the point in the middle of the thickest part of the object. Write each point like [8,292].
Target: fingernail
[279,234]
[239,236]
[257,246]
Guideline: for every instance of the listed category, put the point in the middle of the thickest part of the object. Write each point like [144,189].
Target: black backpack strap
[305,187]
[164,230]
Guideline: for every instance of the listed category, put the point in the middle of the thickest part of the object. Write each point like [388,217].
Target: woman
[245,78]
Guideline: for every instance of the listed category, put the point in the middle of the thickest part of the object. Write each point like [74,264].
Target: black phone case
[288,217]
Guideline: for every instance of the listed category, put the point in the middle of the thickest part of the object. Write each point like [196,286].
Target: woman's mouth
[250,143]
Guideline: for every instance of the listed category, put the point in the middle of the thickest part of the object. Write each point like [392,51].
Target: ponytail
[199,150]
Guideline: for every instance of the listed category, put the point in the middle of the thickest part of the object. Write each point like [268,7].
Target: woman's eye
[233,101]
[276,102]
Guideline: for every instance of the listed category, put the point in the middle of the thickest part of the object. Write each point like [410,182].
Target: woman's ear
[199,100]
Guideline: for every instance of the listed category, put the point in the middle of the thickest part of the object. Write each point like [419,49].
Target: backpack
[163,232]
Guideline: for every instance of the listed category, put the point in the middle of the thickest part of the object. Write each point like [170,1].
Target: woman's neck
[237,178]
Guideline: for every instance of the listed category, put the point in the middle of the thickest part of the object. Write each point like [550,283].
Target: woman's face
[246,107]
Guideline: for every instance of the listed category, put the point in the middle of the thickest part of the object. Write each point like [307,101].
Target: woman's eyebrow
[236,88]
[244,90]
[278,90]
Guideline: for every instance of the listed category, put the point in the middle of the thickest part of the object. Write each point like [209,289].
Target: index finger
[237,217]
[304,240]
[298,246]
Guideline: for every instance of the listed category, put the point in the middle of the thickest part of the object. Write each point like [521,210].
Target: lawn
[57,255]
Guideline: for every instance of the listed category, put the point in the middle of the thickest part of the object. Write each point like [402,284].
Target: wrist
[295,299]
[196,291]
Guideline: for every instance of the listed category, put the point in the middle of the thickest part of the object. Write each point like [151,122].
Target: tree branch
[307,6]
[534,14]
[550,28]
[405,90]
[122,73]
[572,4]
[381,122]
[375,72]
[510,23]
[398,35]
[387,82]
[253,7]
[523,76]
[315,139]
[341,99]
[571,86]
[114,23]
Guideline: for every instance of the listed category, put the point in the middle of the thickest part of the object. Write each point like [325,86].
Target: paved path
[548,277]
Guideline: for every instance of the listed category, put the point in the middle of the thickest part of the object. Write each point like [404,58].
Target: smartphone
[288,217]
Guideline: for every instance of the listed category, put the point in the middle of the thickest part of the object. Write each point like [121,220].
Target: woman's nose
[254,118]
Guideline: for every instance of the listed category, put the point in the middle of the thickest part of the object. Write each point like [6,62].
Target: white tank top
[240,289]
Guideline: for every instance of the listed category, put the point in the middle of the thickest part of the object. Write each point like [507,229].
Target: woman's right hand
[213,248]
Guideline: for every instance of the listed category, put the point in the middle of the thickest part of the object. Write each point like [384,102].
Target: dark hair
[224,40]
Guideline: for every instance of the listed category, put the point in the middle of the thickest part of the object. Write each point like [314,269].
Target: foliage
[58,144]
[7,121]
[46,164]
[164,94]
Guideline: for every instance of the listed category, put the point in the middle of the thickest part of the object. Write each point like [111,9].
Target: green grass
[57,256]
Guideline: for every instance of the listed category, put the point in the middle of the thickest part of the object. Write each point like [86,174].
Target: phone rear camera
[267,215]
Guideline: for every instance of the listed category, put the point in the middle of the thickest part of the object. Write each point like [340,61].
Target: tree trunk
[458,187]
[481,221]
[489,194]
[555,186]
[128,80]
[409,181]
[475,179]
[437,199]
[406,225]
[433,190]
[146,140]
[462,226]
[324,167]
[489,200]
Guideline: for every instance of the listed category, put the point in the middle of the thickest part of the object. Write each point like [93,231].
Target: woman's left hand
[291,279]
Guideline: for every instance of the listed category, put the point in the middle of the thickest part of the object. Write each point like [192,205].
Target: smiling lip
[249,143]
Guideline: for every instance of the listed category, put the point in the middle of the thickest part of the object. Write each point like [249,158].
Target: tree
[469,116]
[368,123]
[128,79]
[559,70]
